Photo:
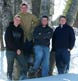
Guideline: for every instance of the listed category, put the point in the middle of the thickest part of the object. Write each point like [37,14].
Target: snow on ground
[74,58]
[72,76]
[66,77]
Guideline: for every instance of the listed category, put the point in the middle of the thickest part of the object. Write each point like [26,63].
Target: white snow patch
[65,77]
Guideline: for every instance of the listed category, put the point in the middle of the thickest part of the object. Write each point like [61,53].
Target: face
[44,21]
[62,21]
[17,20]
[24,8]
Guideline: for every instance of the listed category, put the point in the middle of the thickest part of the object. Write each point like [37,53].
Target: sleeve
[50,34]
[9,40]
[53,41]
[35,21]
[71,39]
[22,41]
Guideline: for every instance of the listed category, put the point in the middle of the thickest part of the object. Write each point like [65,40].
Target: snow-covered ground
[74,58]
[67,77]
[72,76]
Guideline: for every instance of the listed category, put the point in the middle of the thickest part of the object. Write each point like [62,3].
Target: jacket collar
[43,27]
[62,26]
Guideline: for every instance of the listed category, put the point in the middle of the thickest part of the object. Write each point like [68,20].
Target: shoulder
[50,29]
[19,13]
[70,28]
[8,30]
[29,14]
[57,28]
[37,27]
[32,15]
[9,26]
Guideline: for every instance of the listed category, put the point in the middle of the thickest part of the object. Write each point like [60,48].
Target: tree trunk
[76,21]
[1,38]
[1,27]
[72,12]
[36,7]
[47,8]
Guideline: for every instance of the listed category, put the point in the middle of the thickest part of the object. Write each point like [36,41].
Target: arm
[53,42]
[9,40]
[49,35]
[35,21]
[21,46]
[22,40]
[37,34]
[71,39]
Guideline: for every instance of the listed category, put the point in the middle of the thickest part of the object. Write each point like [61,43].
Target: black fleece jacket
[14,38]
[63,38]
[42,35]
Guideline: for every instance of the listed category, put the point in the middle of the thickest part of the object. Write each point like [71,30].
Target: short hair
[45,17]
[17,16]
[62,16]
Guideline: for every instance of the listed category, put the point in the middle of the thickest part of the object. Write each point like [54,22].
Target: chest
[26,19]
[44,31]
[16,34]
[62,33]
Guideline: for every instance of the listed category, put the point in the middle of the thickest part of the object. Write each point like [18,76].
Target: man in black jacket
[42,36]
[63,42]
[14,38]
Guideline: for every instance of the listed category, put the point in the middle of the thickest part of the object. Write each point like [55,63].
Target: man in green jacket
[29,22]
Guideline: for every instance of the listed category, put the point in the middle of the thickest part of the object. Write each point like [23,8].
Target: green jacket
[28,23]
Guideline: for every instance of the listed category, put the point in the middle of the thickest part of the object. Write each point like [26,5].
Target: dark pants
[28,52]
[28,47]
[11,55]
[62,57]
[52,62]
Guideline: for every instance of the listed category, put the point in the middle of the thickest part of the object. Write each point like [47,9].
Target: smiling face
[24,8]
[62,21]
[44,21]
[17,20]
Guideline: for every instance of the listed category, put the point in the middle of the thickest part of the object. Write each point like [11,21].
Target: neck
[24,12]
[61,26]
[44,26]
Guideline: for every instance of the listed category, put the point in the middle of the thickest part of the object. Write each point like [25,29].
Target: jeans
[62,57]
[42,55]
[11,55]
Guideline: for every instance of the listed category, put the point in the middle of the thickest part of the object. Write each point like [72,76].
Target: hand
[69,50]
[18,52]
